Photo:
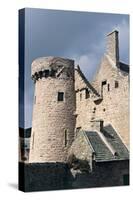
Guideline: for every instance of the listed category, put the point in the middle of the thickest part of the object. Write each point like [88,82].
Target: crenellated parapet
[52,67]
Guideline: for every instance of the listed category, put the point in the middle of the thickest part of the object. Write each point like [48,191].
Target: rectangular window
[87,93]
[108,87]
[116,84]
[60,96]
[104,82]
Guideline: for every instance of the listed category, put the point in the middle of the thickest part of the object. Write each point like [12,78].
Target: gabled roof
[102,150]
[87,82]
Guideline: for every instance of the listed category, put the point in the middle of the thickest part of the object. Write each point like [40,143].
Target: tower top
[113,32]
[50,62]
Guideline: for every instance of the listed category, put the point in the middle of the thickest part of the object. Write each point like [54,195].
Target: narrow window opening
[116,84]
[60,96]
[87,93]
[104,82]
[108,87]
[66,139]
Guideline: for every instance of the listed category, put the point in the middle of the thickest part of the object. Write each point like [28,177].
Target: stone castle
[80,123]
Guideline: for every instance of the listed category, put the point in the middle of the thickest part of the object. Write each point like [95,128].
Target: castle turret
[112,47]
[53,120]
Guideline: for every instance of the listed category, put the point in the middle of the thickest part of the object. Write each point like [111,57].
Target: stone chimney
[97,124]
[112,46]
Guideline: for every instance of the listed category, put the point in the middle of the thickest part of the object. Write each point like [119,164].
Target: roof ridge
[93,151]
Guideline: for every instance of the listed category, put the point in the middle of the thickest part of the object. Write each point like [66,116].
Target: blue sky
[76,35]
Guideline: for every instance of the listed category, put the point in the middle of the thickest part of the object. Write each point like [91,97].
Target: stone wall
[103,175]
[44,176]
[57,176]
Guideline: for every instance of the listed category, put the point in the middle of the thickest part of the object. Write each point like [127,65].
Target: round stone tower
[53,121]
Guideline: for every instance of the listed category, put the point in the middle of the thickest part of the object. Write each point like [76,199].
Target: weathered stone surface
[52,118]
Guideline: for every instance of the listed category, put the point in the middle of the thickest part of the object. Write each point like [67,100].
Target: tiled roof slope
[115,141]
[102,152]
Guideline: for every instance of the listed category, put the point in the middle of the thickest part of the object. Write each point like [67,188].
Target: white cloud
[89,61]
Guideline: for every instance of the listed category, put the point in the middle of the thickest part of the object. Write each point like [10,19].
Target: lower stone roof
[101,149]
[116,142]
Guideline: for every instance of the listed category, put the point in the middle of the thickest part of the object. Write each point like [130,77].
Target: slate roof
[116,142]
[102,152]
[124,67]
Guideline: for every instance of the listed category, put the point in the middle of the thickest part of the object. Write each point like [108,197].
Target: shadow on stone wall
[57,176]
[44,176]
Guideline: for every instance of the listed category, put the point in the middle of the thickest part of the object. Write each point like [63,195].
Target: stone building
[80,129]
[107,96]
